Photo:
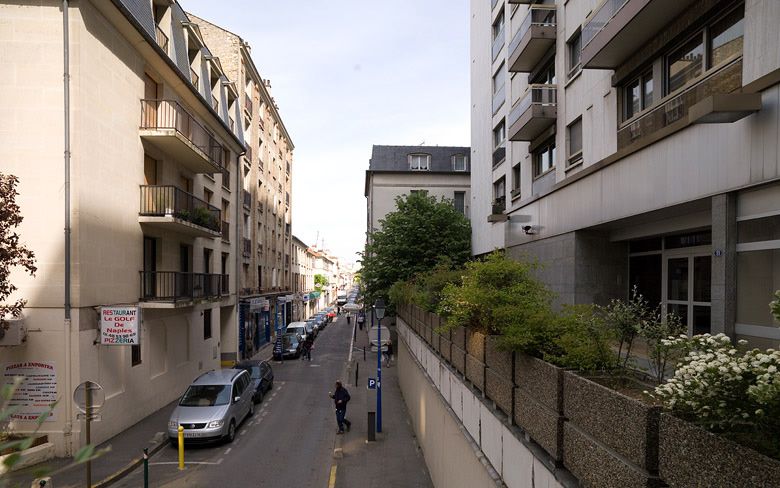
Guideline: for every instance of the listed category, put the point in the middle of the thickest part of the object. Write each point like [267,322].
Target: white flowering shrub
[722,387]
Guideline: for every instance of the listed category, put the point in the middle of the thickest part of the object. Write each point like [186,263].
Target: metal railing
[543,15]
[499,205]
[169,114]
[246,249]
[226,231]
[172,286]
[499,154]
[600,19]
[543,95]
[161,38]
[168,200]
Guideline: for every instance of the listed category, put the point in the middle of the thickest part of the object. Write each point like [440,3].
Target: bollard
[371,426]
[357,370]
[364,354]
[181,447]
[146,468]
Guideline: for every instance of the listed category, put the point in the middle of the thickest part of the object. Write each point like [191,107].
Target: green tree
[320,282]
[419,234]
[13,253]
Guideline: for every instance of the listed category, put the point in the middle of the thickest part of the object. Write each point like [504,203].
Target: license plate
[192,434]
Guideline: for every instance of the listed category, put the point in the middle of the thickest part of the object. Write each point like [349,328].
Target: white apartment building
[265,218]
[153,174]
[393,171]
[304,306]
[633,143]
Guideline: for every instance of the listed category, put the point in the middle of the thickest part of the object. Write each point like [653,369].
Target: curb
[118,475]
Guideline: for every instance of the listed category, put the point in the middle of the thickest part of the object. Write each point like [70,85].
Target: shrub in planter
[579,339]
[624,317]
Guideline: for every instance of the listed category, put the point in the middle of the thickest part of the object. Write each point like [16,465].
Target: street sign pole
[88,418]
[379,375]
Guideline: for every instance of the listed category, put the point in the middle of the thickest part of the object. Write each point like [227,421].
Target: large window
[499,135]
[459,162]
[574,51]
[686,63]
[574,142]
[498,25]
[758,272]
[726,37]
[544,158]
[460,201]
[546,75]
[516,177]
[419,162]
[499,195]
[499,79]
[638,94]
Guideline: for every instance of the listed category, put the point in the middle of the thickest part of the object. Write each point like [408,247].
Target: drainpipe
[67,431]
[237,273]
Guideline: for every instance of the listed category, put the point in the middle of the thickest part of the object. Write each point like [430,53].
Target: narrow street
[289,440]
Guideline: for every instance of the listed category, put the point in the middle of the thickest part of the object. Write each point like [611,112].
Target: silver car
[213,406]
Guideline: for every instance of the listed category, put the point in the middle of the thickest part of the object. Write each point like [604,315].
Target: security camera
[528,230]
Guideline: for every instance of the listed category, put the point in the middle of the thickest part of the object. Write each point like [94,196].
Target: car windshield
[206,396]
[290,341]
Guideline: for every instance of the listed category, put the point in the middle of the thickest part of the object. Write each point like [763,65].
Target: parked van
[299,328]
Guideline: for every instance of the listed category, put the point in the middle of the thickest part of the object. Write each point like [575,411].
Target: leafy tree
[320,282]
[12,253]
[420,233]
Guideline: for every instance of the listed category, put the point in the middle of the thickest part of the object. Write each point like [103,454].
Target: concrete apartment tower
[634,143]
[154,176]
[266,295]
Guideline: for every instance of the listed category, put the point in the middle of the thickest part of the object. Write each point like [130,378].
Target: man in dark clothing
[349,317]
[360,319]
[308,345]
[341,398]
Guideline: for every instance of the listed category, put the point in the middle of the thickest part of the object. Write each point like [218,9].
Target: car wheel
[174,443]
[270,384]
[231,435]
[260,396]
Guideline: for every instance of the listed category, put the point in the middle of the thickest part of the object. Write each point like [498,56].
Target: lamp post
[379,312]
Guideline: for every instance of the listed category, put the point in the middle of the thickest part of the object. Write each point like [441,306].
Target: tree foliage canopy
[12,253]
[419,234]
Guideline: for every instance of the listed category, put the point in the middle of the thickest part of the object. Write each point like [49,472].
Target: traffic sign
[372,383]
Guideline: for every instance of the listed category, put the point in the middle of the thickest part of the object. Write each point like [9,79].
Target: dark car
[262,377]
[291,346]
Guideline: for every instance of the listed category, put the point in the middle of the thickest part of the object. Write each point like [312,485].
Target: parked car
[262,376]
[212,407]
[324,316]
[297,328]
[291,346]
[384,336]
[341,300]
[315,324]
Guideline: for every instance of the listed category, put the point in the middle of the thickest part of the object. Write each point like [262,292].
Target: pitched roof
[396,158]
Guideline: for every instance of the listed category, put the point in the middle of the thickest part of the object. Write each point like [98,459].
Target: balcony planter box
[475,372]
[691,456]
[623,424]
[538,403]
[458,359]
[594,465]
[610,439]
[499,375]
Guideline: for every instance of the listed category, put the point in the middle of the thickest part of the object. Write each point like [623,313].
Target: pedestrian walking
[388,353]
[349,317]
[308,345]
[360,319]
[341,398]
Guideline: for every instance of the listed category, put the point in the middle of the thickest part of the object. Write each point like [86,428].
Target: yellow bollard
[181,447]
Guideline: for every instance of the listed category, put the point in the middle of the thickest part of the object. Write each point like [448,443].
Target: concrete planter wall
[538,403]
[691,456]
[458,335]
[475,358]
[623,431]
[498,375]
[458,359]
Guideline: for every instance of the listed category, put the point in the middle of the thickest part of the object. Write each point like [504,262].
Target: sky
[347,74]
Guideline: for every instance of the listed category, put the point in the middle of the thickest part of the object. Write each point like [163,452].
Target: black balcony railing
[499,205]
[162,201]
[173,286]
[169,114]
[226,231]
[247,248]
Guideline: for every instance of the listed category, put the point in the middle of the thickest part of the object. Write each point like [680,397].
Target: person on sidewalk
[349,317]
[360,319]
[388,354]
[308,345]
[341,398]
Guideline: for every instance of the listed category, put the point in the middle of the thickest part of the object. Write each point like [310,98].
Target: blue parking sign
[372,383]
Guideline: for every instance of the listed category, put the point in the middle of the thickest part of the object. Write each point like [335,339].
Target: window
[637,95]
[499,195]
[499,135]
[574,141]
[499,79]
[207,324]
[419,192]
[460,202]
[686,63]
[544,158]
[574,48]
[546,75]
[419,162]
[498,25]
[726,37]
[516,177]
[459,162]
[135,355]
[758,271]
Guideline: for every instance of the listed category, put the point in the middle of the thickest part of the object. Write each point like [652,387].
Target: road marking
[219,461]
[227,451]
[265,413]
[332,480]
[243,432]
[314,365]
[188,462]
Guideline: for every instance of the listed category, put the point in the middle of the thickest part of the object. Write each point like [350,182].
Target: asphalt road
[287,443]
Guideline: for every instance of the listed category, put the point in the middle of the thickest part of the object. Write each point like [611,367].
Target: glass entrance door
[687,293]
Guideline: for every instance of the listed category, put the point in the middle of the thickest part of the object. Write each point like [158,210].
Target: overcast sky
[347,74]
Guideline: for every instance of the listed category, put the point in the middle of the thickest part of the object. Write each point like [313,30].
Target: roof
[217,377]
[396,158]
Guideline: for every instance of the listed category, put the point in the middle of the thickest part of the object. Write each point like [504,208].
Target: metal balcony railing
[600,19]
[169,114]
[161,38]
[246,250]
[173,286]
[168,200]
[537,15]
[545,95]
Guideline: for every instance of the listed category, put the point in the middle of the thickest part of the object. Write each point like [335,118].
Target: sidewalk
[126,449]
[395,458]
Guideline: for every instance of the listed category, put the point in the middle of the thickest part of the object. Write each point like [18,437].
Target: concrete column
[724,258]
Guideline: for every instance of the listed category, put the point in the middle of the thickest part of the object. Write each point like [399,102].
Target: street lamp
[379,312]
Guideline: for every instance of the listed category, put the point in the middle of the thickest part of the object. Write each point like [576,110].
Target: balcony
[713,99]
[619,28]
[161,38]
[178,289]
[535,37]
[498,43]
[166,125]
[172,209]
[248,105]
[499,155]
[534,113]
[246,249]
